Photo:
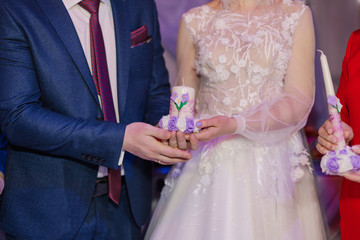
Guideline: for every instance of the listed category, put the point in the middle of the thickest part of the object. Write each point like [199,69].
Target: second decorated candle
[333,103]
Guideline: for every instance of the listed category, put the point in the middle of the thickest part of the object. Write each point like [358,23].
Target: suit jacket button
[100,119]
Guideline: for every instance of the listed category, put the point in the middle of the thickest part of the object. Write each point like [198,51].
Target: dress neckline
[257,12]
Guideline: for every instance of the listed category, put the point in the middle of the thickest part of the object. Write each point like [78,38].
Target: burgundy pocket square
[140,36]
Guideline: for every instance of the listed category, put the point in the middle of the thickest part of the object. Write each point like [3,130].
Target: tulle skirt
[234,188]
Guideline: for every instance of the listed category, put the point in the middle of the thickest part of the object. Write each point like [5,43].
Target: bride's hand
[215,127]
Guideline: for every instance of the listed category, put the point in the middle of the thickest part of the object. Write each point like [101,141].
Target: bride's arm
[273,120]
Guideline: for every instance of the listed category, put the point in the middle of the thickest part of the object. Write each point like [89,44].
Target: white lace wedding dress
[256,184]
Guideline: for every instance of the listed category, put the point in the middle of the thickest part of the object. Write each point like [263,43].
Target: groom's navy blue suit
[50,114]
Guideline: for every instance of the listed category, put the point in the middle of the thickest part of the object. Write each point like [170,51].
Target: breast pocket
[141,60]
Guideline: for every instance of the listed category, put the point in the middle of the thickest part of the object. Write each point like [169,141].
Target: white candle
[182,102]
[329,87]
[333,112]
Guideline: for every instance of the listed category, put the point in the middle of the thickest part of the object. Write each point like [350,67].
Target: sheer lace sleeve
[274,119]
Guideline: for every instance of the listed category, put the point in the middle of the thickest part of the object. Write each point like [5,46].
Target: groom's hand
[144,141]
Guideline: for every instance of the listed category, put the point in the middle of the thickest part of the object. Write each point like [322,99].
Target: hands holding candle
[343,160]
[180,120]
[333,102]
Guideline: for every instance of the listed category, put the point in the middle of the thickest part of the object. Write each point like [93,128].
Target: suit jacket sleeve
[28,119]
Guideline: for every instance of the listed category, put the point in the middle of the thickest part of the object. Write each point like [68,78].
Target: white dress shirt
[80,18]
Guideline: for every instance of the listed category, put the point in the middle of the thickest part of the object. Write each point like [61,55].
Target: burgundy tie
[102,83]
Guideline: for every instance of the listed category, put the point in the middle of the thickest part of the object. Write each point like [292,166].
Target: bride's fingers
[205,123]
[206,134]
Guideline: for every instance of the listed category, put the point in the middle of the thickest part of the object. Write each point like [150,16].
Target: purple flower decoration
[185,97]
[331,153]
[190,125]
[173,96]
[332,165]
[172,124]
[355,161]
[332,100]
[335,103]
[343,152]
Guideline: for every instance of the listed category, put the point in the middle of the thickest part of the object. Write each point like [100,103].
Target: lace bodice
[256,65]
[242,58]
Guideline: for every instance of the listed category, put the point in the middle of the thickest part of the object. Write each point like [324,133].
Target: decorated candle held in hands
[181,113]
[333,102]
[343,159]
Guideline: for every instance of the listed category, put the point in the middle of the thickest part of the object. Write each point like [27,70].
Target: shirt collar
[71,3]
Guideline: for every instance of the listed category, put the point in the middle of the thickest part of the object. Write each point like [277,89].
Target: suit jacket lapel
[60,19]
[122,38]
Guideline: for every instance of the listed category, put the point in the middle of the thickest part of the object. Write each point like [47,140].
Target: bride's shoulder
[293,5]
[197,13]
[202,9]
[293,9]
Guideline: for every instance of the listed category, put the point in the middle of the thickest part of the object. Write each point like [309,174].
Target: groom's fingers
[158,133]
[169,155]
[165,154]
